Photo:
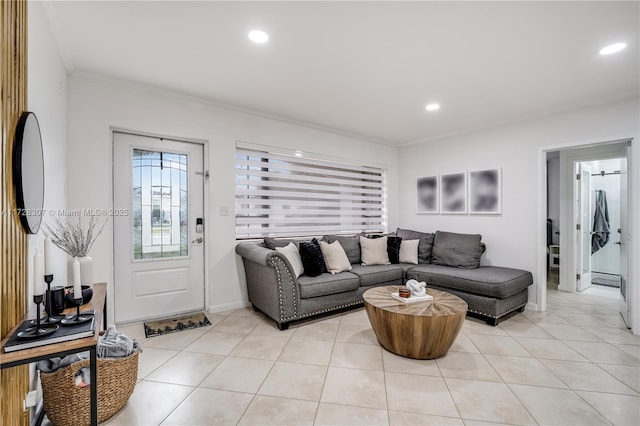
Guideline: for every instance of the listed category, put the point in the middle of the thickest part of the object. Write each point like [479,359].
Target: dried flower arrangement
[74,235]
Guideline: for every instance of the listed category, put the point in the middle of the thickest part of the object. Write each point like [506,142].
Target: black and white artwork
[485,189]
[427,194]
[453,193]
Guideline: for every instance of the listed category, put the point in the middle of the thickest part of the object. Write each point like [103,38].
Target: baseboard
[531,306]
[227,306]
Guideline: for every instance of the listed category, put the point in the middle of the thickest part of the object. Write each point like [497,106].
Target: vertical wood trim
[14,382]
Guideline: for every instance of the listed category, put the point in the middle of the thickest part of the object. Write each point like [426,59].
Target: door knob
[197,240]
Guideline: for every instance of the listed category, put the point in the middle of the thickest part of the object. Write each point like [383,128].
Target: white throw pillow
[374,251]
[293,256]
[335,257]
[409,251]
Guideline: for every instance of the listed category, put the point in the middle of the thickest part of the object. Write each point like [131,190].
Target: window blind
[280,195]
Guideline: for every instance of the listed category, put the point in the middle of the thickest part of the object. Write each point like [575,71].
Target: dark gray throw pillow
[312,258]
[272,243]
[426,243]
[457,250]
[350,244]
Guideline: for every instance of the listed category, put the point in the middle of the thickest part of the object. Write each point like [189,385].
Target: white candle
[37,274]
[77,289]
[48,267]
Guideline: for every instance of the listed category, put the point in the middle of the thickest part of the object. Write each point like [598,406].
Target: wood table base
[423,330]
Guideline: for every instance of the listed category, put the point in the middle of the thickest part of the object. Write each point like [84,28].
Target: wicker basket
[67,404]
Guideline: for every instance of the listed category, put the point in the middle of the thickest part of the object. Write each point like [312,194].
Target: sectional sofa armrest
[271,284]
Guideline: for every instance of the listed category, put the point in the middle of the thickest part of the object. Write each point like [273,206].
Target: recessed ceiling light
[612,48]
[433,107]
[299,153]
[258,36]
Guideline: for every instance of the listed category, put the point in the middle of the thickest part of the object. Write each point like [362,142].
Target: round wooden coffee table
[422,330]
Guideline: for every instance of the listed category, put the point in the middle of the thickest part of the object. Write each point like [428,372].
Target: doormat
[173,325]
[606,282]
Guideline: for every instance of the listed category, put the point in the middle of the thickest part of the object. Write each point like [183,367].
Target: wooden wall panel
[14,382]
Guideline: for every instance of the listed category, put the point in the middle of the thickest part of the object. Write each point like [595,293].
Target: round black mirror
[28,172]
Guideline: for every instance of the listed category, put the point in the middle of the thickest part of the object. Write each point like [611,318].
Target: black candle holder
[50,319]
[39,330]
[75,319]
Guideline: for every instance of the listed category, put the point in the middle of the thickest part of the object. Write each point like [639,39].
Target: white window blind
[281,195]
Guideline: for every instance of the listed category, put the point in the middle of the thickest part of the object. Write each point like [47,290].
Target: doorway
[587,225]
[159,244]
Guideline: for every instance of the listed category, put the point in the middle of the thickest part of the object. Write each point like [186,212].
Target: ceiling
[365,68]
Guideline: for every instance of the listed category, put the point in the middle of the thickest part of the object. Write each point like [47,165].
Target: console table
[99,304]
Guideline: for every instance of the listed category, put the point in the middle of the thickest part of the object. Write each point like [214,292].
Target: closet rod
[617,172]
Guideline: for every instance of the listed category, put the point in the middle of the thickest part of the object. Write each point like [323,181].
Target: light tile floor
[573,365]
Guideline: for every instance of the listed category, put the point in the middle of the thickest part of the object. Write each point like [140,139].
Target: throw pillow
[293,256]
[374,251]
[426,243]
[312,258]
[272,243]
[409,251]
[350,244]
[335,257]
[393,249]
[457,250]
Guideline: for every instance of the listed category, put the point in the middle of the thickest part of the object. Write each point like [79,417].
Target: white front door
[584,226]
[158,246]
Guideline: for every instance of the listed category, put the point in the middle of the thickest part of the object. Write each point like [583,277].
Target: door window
[160,204]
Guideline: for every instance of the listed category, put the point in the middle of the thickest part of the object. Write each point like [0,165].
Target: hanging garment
[601,224]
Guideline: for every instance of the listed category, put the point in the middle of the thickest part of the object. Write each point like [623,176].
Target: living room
[343,83]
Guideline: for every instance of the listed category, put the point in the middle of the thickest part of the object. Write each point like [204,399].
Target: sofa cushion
[326,284]
[350,244]
[272,243]
[312,258]
[457,250]
[393,249]
[335,258]
[293,256]
[426,243]
[490,281]
[374,251]
[409,251]
[378,274]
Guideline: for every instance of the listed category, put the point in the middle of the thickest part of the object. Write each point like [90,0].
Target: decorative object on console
[427,194]
[453,193]
[87,294]
[76,319]
[75,236]
[485,192]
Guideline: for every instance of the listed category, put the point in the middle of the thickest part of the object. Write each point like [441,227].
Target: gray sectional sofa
[447,261]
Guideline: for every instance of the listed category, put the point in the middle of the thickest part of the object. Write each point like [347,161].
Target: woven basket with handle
[66,404]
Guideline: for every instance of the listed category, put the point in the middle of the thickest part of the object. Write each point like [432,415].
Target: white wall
[47,98]
[511,238]
[98,104]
